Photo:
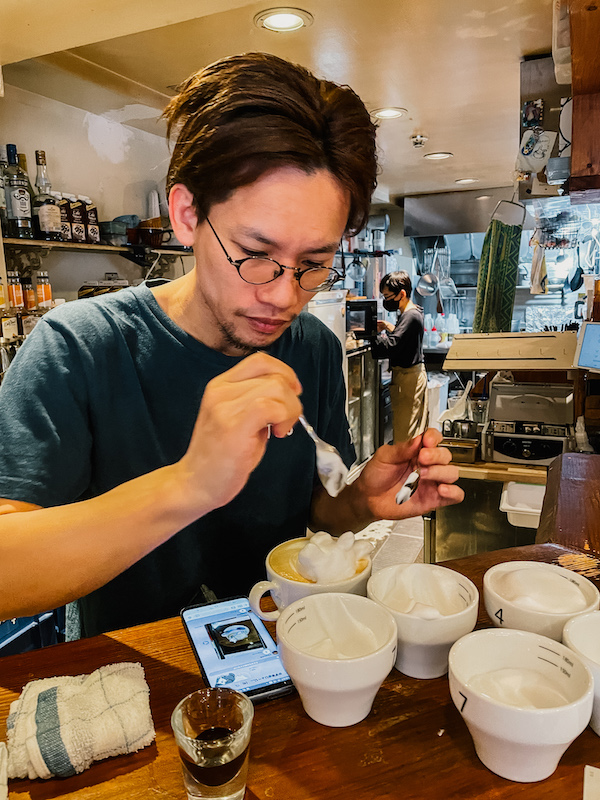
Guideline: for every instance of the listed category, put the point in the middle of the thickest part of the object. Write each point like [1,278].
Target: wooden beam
[585,46]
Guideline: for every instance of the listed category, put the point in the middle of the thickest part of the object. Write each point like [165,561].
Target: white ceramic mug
[425,637]
[337,649]
[582,635]
[286,588]
[523,697]
[525,612]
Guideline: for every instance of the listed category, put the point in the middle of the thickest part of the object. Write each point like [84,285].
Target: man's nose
[283,292]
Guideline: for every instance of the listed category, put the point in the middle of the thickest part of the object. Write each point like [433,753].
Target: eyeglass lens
[263,270]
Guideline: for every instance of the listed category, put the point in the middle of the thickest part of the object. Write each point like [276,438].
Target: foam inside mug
[284,560]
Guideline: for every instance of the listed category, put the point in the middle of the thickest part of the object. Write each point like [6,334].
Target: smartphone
[234,649]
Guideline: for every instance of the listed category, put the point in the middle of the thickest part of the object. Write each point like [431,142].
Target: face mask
[391,305]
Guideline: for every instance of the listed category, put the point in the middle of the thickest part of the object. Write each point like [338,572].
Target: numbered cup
[537,597]
[523,697]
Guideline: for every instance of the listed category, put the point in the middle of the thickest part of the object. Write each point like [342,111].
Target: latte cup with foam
[287,562]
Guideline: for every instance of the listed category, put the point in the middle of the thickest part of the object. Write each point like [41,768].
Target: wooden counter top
[413,745]
[498,471]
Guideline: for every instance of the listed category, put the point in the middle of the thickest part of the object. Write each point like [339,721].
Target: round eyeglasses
[260,269]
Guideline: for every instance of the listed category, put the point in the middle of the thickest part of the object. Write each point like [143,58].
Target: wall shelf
[25,255]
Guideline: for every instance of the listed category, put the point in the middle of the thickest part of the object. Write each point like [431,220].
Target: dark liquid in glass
[218,774]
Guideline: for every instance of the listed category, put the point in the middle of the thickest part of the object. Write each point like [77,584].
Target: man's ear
[183,214]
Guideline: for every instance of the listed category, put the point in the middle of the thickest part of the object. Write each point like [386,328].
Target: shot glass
[212,730]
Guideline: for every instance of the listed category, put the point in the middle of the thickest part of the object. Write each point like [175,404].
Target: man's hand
[232,428]
[382,325]
[385,473]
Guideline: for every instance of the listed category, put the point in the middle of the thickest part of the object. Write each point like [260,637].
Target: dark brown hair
[247,114]
[395,282]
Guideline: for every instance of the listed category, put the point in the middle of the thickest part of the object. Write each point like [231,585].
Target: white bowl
[582,635]
[523,697]
[424,643]
[529,596]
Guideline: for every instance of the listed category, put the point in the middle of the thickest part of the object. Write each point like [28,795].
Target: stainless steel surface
[474,526]
[454,212]
[363,401]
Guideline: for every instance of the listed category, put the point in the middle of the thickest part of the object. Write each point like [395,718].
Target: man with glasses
[402,343]
[145,434]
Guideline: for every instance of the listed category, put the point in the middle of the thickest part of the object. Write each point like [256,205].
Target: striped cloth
[59,726]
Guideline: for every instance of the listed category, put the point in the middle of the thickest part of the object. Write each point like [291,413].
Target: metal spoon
[333,473]
[331,469]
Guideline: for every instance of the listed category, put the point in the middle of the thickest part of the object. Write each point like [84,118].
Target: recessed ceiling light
[390,112]
[467,180]
[438,156]
[483,196]
[283,20]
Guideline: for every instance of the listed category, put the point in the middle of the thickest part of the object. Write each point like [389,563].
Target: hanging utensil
[427,284]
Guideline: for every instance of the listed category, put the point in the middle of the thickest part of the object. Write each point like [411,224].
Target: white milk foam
[428,594]
[538,590]
[326,559]
[524,688]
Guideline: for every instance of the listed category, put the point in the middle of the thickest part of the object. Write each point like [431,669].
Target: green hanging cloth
[497,279]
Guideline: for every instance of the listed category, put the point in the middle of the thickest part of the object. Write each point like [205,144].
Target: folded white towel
[59,726]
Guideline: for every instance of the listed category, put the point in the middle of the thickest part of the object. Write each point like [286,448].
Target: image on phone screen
[235,649]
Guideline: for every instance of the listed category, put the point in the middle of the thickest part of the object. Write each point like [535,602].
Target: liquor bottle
[22,159]
[3,212]
[65,218]
[29,298]
[46,213]
[90,212]
[76,209]
[18,199]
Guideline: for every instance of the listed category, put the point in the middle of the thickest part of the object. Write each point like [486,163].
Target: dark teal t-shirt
[107,389]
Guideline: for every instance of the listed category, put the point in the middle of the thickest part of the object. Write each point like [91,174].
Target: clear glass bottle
[45,210]
[18,205]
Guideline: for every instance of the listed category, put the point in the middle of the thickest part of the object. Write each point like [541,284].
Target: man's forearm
[54,555]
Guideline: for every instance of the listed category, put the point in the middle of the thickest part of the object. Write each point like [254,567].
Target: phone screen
[235,649]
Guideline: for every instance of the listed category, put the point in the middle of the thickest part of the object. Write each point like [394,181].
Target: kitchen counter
[414,743]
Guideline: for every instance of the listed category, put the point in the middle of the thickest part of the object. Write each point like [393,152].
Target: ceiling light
[390,112]
[437,156]
[483,196]
[467,180]
[283,20]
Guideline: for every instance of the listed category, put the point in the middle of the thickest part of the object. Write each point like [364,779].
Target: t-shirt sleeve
[45,439]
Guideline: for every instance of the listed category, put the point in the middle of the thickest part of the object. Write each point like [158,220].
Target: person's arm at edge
[49,556]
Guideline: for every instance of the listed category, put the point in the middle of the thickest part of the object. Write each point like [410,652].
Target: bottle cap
[84,198]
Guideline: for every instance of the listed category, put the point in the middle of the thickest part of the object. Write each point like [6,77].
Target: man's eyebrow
[260,237]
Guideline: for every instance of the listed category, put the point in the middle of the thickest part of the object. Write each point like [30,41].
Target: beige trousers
[408,394]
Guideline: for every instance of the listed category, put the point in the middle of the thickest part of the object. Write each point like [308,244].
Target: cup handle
[256,593]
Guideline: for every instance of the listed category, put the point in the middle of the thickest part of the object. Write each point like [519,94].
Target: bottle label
[29,322]
[49,218]
[29,298]
[2,194]
[10,327]
[93,234]
[15,295]
[78,234]
[65,231]
[20,203]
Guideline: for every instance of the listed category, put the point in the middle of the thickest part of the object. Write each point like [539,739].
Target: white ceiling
[454,64]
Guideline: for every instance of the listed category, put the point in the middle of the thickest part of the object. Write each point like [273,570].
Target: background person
[402,343]
[135,455]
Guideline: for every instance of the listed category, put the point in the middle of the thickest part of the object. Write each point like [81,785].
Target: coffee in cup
[287,583]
